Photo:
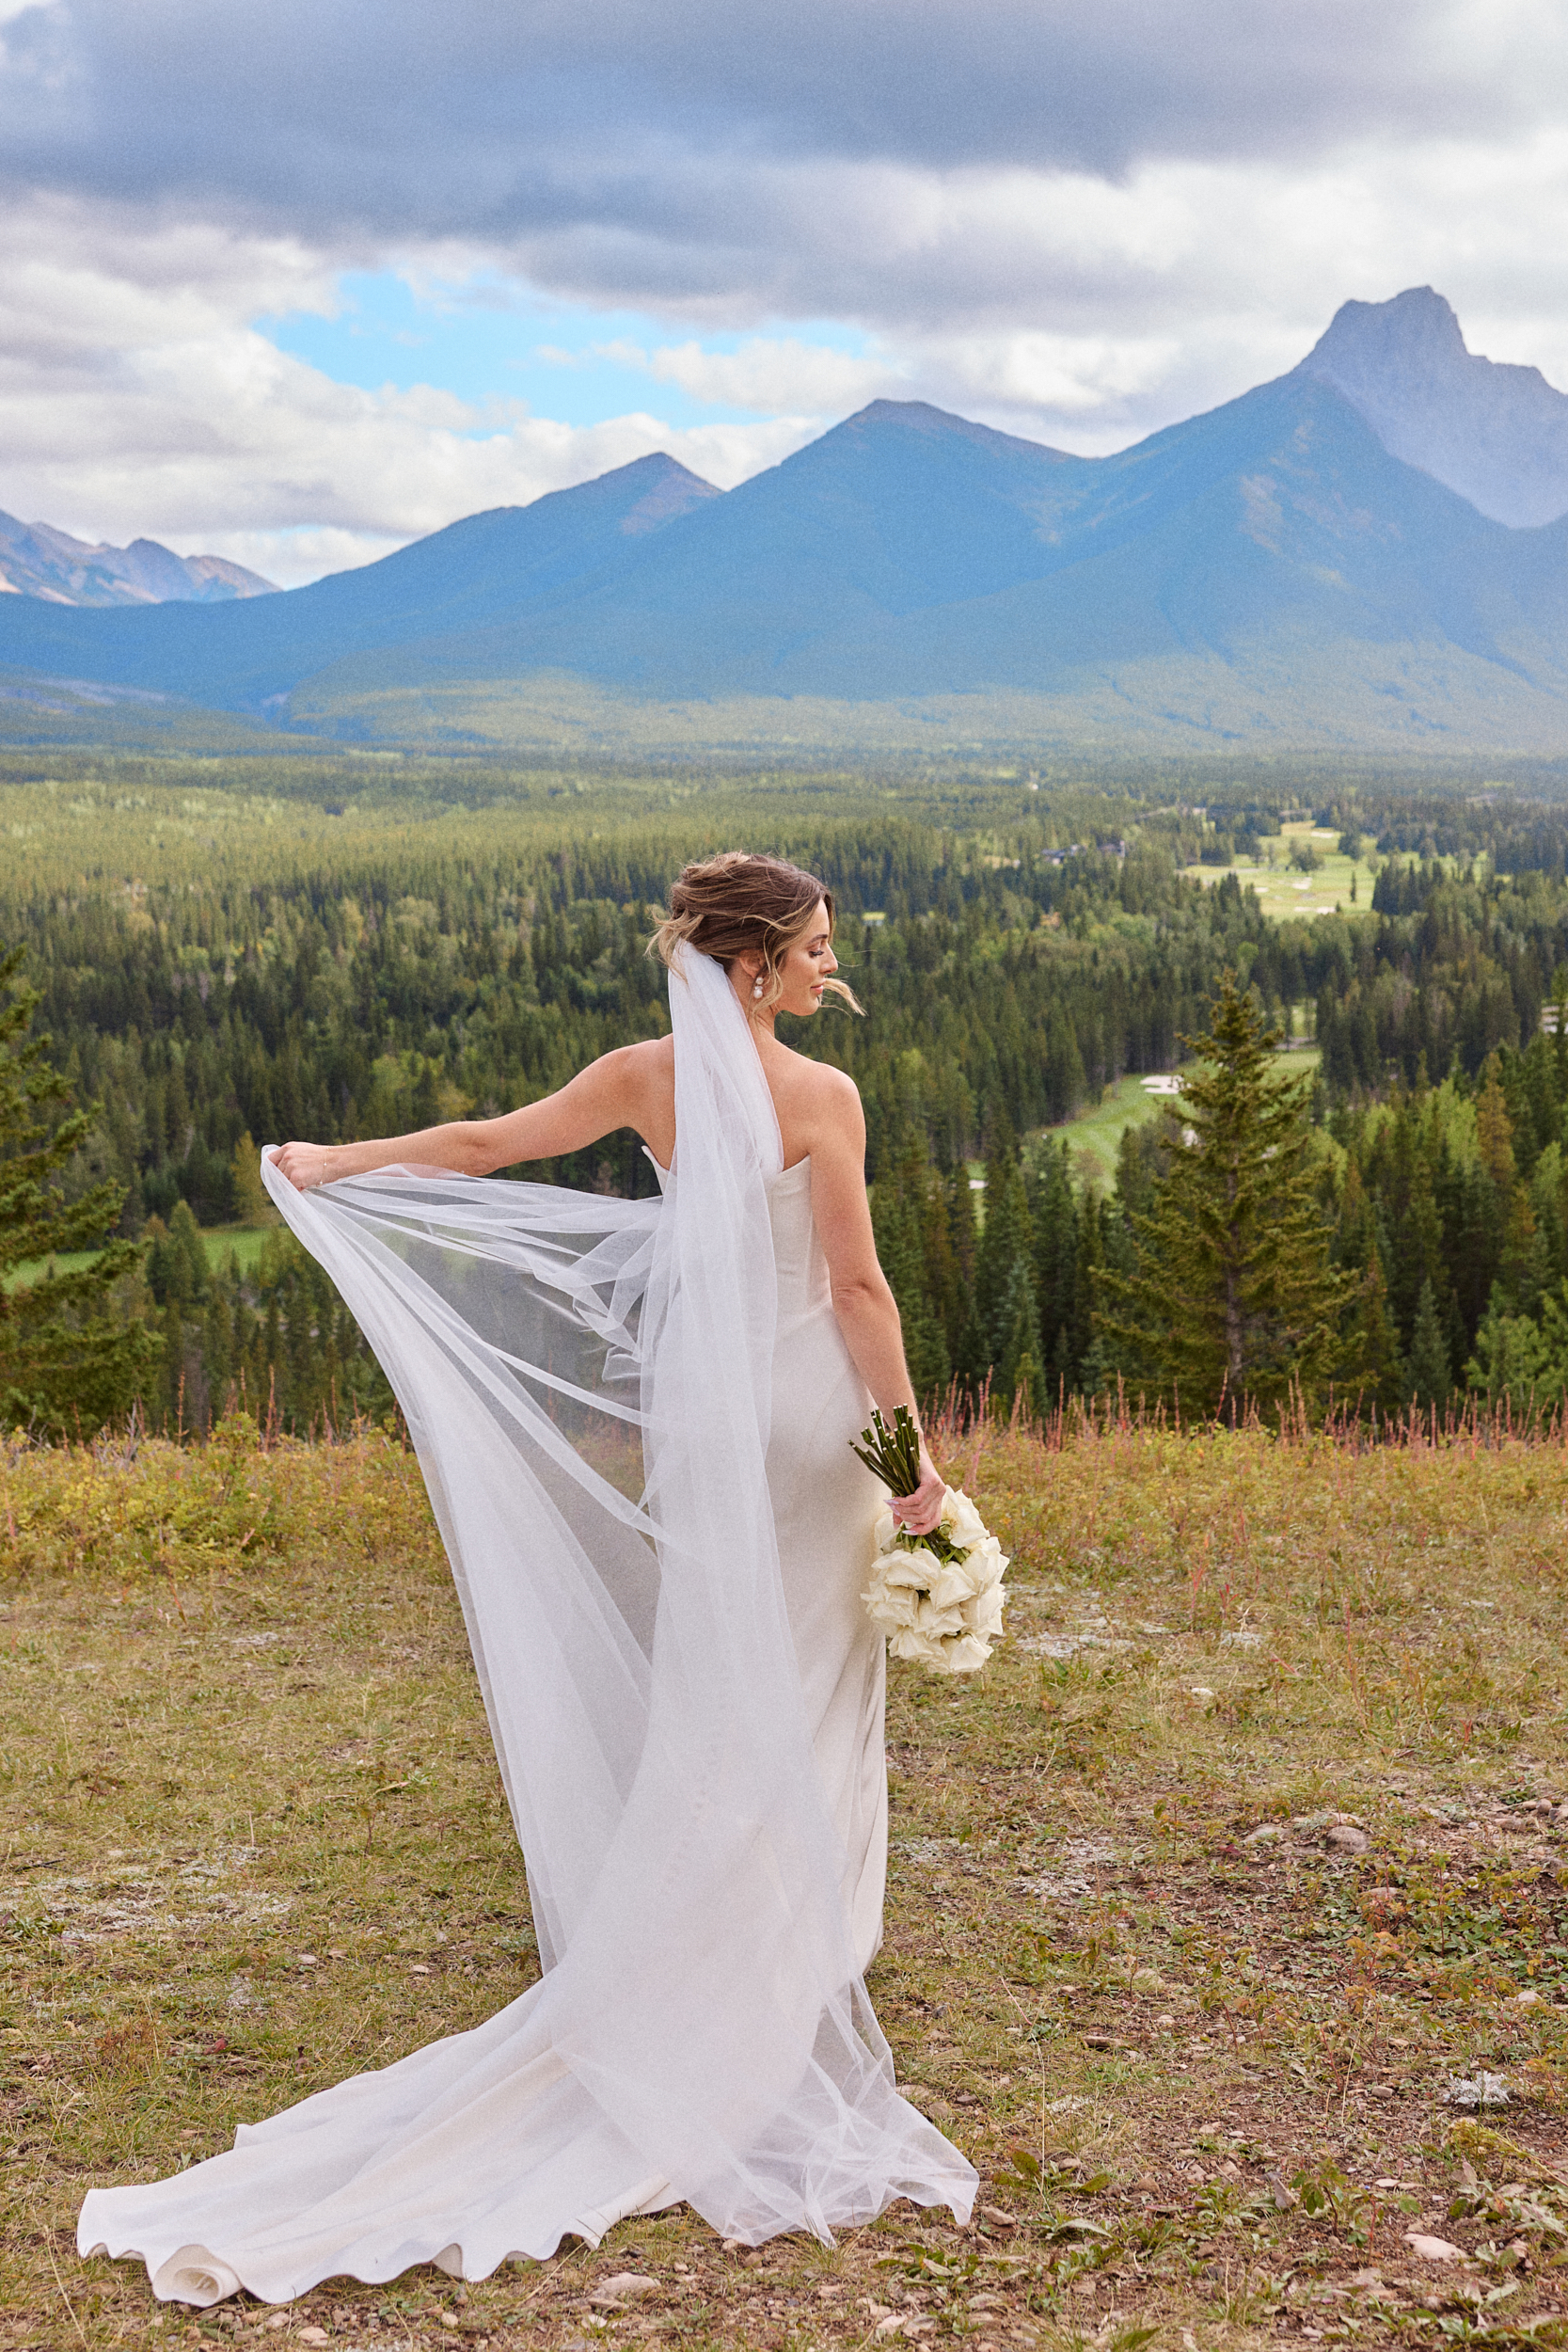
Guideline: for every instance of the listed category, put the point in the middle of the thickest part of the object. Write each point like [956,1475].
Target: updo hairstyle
[735,904]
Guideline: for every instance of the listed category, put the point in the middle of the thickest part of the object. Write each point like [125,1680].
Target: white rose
[892,1605]
[984,1613]
[951,1584]
[966,1655]
[960,1517]
[909,1642]
[886,1532]
[903,1567]
[987,1562]
[931,1619]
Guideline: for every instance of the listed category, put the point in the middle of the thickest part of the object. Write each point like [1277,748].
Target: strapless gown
[476,2146]
[825,1505]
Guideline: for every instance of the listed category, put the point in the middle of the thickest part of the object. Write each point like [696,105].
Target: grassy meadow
[1251,1842]
[220,1242]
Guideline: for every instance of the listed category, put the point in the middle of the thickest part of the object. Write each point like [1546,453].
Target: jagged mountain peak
[1417,325]
[1494,432]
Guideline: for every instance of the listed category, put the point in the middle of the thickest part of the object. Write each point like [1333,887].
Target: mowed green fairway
[1095,1136]
[1283,891]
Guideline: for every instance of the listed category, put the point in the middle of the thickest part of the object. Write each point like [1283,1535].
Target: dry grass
[1202,2072]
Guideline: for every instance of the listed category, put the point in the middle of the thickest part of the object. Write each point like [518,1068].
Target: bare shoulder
[823,1102]
[642,1078]
[834,1089]
[652,1056]
[648,1066]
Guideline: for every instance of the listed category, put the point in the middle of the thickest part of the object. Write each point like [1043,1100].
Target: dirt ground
[1228,1921]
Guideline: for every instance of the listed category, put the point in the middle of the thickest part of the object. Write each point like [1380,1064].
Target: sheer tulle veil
[587,1383]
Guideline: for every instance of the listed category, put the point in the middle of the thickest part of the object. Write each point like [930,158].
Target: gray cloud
[484,120]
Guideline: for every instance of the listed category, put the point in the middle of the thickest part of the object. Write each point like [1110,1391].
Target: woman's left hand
[920,1512]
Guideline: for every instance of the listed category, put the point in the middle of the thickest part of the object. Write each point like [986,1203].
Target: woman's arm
[620,1090]
[867,1309]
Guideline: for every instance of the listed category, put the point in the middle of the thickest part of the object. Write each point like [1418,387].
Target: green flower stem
[894,1457]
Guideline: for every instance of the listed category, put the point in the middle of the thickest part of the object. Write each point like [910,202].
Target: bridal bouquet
[938,1597]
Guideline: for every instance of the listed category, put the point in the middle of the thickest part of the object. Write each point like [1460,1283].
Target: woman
[634,1421]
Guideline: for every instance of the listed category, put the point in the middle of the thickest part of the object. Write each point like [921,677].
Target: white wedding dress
[634,1421]
[825,1502]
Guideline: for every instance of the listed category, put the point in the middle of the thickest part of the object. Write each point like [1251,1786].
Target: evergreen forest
[217,962]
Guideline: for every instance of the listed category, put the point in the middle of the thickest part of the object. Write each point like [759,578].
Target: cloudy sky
[295,282]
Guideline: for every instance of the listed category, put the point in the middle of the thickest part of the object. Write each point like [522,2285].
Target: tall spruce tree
[1053,1215]
[1233,1300]
[1375,1368]
[966,1348]
[896,1223]
[69,1360]
[1428,1376]
[1005,1300]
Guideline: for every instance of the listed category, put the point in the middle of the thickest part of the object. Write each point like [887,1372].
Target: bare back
[809,1100]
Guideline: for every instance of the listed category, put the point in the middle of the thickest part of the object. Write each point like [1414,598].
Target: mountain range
[1373,547]
[37,561]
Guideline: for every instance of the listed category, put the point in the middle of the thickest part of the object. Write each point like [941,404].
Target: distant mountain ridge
[1271,572]
[460,581]
[37,561]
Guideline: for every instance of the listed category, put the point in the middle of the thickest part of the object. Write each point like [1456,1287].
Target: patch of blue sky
[487,340]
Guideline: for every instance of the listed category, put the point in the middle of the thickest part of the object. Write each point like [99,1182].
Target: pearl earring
[756,988]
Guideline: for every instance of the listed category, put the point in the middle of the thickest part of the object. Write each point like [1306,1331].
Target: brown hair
[735,904]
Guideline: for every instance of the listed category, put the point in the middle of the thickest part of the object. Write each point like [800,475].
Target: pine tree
[1066,1082]
[945,1286]
[1086,1282]
[1015,1360]
[1375,1368]
[896,1230]
[70,1358]
[1004,1280]
[188,1274]
[1139,1160]
[909,1203]
[1526,1267]
[965,1345]
[1494,1130]
[1428,1374]
[252,1201]
[1053,1213]
[1233,1300]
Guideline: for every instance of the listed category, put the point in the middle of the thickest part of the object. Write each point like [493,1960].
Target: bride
[634,1422]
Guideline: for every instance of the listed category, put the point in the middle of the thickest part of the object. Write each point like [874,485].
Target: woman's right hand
[306,1164]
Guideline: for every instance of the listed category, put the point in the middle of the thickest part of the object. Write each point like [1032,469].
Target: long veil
[587,1383]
